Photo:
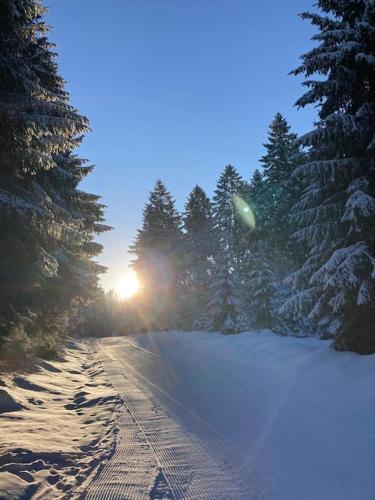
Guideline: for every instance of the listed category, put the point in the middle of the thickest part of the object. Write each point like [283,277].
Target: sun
[127,285]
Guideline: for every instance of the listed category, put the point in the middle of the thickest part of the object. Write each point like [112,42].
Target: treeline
[291,249]
[221,264]
[47,224]
[294,248]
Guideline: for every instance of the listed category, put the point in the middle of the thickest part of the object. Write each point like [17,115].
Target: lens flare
[245,211]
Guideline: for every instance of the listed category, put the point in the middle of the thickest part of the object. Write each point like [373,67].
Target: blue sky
[175,89]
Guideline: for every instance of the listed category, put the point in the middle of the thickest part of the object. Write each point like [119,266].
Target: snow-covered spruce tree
[258,260]
[46,236]
[279,190]
[159,260]
[253,196]
[79,216]
[227,219]
[226,309]
[261,286]
[335,216]
[268,257]
[199,248]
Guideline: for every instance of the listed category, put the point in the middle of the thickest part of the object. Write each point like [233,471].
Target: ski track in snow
[253,416]
[155,457]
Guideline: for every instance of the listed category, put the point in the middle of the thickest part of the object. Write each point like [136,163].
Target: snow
[203,415]
[285,417]
[359,203]
[57,425]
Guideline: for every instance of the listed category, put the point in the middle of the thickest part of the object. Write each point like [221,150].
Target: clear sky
[175,89]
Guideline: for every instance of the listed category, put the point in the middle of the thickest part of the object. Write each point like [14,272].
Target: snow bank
[57,426]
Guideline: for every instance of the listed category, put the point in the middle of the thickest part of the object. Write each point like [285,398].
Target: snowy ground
[194,416]
[57,426]
[244,416]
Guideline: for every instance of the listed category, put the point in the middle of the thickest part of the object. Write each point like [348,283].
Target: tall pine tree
[258,260]
[200,246]
[226,309]
[46,223]
[279,190]
[269,255]
[261,285]
[335,217]
[159,260]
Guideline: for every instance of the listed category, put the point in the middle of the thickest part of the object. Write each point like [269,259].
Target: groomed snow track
[155,457]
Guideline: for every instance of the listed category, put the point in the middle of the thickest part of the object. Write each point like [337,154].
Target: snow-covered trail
[248,416]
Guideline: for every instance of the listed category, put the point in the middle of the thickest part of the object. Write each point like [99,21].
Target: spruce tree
[226,309]
[261,286]
[47,224]
[255,192]
[227,218]
[279,191]
[159,259]
[200,246]
[258,261]
[335,216]
[271,194]
[80,217]
[253,196]
[37,120]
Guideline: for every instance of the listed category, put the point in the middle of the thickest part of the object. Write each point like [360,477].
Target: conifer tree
[258,260]
[253,195]
[255,198]
[226,309]
[80,216]
[227,219]
[261,286]
[159,259]
[271,194]
[279,191]
[47,224]
[200,246]
[335,216]
[255,190]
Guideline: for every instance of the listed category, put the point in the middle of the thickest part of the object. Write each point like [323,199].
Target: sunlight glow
[127,285]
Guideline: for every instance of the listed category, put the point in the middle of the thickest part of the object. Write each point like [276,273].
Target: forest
[195,350]
[291,249]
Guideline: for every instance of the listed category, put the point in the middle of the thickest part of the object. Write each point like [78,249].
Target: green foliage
[34,335]
[268,255]
[226,309]
[278,190]
[229,225]
[200,243]
[335,216]
[47,224]
[159,260]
